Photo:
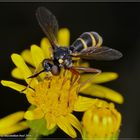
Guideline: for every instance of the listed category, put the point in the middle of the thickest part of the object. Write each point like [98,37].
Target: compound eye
[60,61]
[46,65]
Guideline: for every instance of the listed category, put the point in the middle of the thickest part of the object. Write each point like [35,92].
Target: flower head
[101,121]
[54,98]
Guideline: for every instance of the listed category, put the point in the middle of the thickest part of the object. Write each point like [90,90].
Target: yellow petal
[26,55]
[38,113]
[17,74]
[33,114]
[51,122]
[64,37]
[37,55]
[84,103]
[119,118]
[29,115]
[13,85]
[46,47]
[103,92]
[101,78]
[11,119]
[26,72]
[64,124]
[50,125]
[74,122]
[14,128]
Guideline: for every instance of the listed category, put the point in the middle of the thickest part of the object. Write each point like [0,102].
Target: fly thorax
[62,57]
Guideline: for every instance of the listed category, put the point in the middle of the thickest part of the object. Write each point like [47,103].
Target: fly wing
[87,69]
[99,53]
[48,23]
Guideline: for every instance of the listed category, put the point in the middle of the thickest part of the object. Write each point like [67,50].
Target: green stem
[33,135]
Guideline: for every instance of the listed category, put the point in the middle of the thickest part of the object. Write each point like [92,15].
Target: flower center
[55,96]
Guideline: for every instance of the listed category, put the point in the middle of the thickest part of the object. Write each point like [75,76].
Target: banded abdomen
[87,39]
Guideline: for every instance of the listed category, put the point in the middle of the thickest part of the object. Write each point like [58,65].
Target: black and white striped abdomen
[87,39]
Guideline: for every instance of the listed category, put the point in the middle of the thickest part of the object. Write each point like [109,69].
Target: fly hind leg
[75,75]
[89,70]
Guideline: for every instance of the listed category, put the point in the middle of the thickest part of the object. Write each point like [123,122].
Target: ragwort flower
[55,98]
[102,121]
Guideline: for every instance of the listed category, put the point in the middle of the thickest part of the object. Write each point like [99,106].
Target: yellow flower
[101,121]
[56,98]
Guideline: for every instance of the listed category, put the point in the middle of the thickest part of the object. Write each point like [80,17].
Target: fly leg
[90,70]
[35,74]
[75,75]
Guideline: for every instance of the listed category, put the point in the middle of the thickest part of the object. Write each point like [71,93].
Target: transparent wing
[99,53]
[87,69]
[48,23]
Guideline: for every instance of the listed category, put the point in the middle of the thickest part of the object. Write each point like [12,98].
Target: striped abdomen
[87,39]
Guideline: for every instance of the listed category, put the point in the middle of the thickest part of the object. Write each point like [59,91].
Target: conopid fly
[87,46]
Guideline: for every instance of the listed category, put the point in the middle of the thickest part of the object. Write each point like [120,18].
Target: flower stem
[33,135]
